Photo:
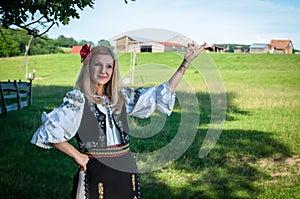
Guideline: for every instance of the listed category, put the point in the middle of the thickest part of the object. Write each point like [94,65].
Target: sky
[211,21]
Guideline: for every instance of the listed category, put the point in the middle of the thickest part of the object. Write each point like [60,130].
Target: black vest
[88,133]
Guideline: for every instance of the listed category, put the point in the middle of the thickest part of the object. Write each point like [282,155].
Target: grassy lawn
[256,156]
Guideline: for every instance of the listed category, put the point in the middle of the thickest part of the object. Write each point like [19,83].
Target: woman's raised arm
[192,52]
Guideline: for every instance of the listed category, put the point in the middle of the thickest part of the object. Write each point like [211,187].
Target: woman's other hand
[82,160]
[193,51]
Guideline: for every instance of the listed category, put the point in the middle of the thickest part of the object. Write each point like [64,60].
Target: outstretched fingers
[194,48]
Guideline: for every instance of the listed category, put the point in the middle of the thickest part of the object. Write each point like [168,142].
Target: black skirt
[111,178]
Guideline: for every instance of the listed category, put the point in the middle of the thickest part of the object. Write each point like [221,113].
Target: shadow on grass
[227,171]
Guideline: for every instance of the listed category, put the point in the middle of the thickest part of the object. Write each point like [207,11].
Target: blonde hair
[111,88]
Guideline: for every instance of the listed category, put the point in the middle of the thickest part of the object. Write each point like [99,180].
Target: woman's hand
[82,160]
[192,52]
[67,148]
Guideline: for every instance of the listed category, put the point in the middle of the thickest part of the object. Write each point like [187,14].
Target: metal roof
[256,45]
[135,38]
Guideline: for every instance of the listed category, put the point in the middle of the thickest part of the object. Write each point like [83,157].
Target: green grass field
[256,156]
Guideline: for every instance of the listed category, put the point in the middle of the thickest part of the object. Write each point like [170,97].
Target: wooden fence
[15,95]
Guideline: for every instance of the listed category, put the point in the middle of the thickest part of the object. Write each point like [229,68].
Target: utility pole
[26,55]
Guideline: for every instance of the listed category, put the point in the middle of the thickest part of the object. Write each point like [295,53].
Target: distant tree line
[14,42]
[39,16]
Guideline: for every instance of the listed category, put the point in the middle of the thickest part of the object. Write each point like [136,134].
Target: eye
[98,64]
[109,66]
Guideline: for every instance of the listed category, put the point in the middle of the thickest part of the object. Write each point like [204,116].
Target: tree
[127,1]
[17,40]
[38,16]
[105,43]
[8,50]
[63,41]
[82,42]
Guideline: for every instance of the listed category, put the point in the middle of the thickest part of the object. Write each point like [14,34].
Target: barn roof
[259,45]
[239,47]
[138,39]
[170,43]
[280,43]
[76,49]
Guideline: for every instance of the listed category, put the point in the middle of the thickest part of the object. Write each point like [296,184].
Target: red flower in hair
[85,53]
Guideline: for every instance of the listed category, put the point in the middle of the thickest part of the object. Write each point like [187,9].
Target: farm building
[173,47]
[281,46]
[239,49]
[156,47]
[123,44]
[146,47]
[180,39]
[75,49]
[137,44]
[259,48]
[216,48]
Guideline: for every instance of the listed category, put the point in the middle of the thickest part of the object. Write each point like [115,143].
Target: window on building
[146,48]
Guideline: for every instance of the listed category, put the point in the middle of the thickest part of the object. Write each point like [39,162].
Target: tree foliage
[9,47]
[82,42]
[105,43]
[127,1]
[38,16]
[65,42]
[22,18]
[18,39]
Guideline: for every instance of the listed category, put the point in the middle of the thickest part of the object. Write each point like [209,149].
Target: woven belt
[111,151]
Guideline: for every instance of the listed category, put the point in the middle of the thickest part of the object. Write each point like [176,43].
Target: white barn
[259,48]
[137,44]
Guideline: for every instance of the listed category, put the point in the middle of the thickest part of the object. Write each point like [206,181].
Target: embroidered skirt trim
[111,151]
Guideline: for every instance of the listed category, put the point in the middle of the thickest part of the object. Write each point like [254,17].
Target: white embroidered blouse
[62,123]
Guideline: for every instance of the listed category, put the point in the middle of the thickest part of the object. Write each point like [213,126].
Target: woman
[95,113]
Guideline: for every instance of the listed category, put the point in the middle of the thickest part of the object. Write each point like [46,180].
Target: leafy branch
[37,17]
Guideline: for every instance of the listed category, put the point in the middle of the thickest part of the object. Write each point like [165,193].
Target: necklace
[108,110]
[111,125]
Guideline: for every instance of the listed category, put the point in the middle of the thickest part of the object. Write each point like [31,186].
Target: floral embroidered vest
[92,129]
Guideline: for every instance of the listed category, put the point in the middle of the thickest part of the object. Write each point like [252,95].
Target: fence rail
[15,95]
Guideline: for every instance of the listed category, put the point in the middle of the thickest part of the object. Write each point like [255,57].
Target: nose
[102,69]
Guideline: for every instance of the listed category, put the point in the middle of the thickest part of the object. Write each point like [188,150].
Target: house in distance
[281,46]
[259,48]
[274,47]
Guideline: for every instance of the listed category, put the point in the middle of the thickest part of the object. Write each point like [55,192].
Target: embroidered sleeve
[62,123]
[141,102]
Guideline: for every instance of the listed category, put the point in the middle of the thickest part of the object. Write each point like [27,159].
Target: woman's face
[101,69]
